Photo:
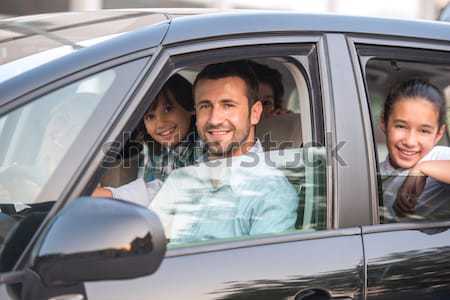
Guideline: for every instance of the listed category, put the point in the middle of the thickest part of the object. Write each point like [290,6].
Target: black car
[74,88]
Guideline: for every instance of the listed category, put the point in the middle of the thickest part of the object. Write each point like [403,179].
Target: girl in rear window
[416,173]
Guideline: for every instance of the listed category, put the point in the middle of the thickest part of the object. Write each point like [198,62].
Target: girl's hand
[102,193]
[409,192]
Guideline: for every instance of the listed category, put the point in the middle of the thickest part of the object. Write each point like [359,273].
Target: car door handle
[317,294]
[68,297]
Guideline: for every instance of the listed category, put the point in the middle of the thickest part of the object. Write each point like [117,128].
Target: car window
[37,135]
[27,42]
[276,187]
[404,136]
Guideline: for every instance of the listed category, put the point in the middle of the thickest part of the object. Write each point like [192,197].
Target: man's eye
[426,131]
[400,126]
[228,105]
[203,106]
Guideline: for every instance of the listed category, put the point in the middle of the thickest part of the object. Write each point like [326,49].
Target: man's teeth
[221,132]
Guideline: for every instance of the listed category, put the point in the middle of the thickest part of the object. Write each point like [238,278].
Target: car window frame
[89,135]
[404,49]
[172,58]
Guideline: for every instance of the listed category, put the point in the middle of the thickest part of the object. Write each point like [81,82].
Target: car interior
[282,137]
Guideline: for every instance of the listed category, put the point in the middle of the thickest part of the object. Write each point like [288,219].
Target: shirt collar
[203,156]
[229,172]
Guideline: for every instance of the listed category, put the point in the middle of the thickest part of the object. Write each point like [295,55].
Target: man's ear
[256,112]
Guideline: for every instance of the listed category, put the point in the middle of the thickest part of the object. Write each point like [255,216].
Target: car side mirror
[94,239]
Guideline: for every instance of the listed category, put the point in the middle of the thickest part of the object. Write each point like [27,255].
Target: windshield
[27,42]
[36,137]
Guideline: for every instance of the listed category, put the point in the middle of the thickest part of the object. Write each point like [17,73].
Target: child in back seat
[170,125]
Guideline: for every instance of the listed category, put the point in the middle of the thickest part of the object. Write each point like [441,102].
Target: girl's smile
[412,131]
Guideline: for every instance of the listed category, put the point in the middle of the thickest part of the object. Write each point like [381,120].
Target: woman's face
[267,96]
[168,123]
[412,130]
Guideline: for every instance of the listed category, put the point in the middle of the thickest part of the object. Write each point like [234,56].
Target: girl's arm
[413,186]
[437,169]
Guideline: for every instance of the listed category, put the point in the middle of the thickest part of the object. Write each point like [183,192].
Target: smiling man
[227,108]
[231,192]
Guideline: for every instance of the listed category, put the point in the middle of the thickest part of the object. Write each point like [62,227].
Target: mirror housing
[94,239]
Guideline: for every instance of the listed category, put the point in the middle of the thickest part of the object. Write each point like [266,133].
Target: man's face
[224,120]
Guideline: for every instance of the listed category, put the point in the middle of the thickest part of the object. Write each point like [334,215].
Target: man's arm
[277,210]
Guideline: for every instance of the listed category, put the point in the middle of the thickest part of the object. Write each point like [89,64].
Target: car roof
[169,26]
[248,21]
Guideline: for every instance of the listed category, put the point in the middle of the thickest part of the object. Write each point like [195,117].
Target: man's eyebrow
[203,101]
[427,126]
[226,100]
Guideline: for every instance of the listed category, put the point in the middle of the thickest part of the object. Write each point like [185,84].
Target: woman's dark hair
[237,68]
[416,88]
[273,78]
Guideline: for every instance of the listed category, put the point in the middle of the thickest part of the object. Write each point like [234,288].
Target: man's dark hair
[236,68]
[273,78]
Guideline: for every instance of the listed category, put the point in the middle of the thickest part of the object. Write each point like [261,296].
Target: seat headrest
[280,132]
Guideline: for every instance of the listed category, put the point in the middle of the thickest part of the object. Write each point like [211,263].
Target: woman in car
[270,89]
[170,140]
[416,176]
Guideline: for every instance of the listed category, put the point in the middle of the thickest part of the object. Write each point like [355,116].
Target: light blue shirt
[227,198]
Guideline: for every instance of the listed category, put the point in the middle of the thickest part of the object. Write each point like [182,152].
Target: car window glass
[37,135]
[402,142]
[29,41]
[278,187]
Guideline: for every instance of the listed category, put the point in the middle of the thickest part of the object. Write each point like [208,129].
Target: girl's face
[412,130]
[168,123]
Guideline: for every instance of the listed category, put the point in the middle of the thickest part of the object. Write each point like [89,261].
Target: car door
[408,259]
[47,136]
[317,260]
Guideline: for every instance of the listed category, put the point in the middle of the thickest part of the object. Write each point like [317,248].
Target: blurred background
[406,9]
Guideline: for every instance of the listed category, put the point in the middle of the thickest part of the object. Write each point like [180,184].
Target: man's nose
[216,116]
